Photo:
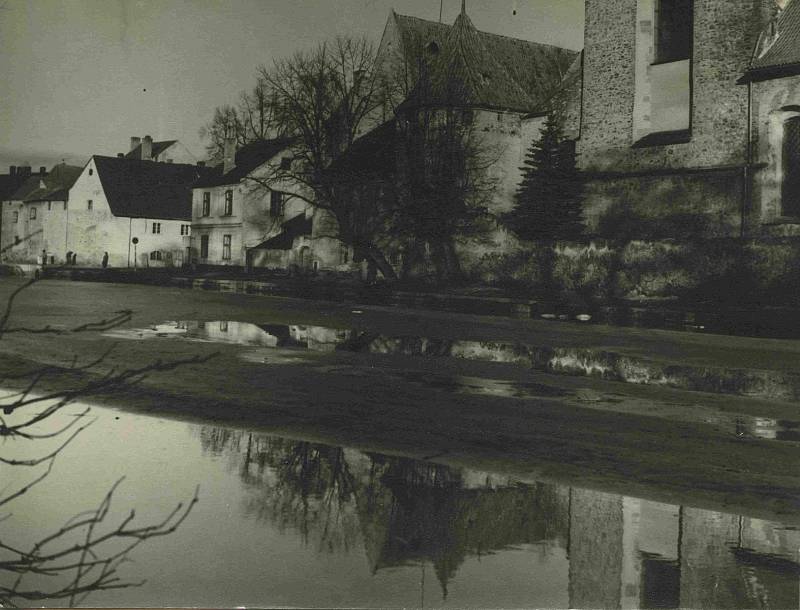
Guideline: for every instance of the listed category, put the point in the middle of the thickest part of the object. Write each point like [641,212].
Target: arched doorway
[304,258]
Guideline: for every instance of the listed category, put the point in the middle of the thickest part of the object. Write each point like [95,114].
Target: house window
[156,228]
[89,205]
[91,172]
[276,203]
[204,246]
[49,205]
[185,229]
[226,247]
[286,163]
[673,31]
[155,255]
[33,213]
[790,193]
[228,204]
[206,204]
[16,216]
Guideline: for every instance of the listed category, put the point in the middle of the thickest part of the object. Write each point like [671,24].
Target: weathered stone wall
[708,203]
[614,79]
[760,272]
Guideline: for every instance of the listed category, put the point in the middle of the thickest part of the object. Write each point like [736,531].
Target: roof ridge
[484,32]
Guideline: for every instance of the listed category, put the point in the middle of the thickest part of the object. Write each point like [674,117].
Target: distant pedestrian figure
[105,260]
[74,258]
[69,258]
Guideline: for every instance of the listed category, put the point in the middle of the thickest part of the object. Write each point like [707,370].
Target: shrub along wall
[715,270]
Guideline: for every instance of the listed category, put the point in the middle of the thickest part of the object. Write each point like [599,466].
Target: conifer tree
[549,201]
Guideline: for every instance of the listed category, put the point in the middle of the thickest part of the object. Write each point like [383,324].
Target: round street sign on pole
[134,241]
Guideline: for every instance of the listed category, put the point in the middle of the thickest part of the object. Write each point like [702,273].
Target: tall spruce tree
[549,202]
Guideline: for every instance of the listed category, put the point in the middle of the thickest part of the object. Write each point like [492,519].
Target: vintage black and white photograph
[400,304]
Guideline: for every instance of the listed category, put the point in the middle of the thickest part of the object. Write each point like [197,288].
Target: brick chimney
[229,152]
[24,170]
[147,149]
[135,142]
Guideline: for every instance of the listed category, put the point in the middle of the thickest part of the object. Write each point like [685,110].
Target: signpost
[134,241]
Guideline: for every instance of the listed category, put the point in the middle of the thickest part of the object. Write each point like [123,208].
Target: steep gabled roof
[498,71]
[147,189]
[56,184]
[248,158]
[158,148]
[780,47]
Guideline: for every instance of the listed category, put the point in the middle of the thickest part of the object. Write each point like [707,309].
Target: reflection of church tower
[595,549]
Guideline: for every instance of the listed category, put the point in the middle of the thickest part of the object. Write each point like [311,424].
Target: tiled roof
[292,229]
[248,158]
[784,51]
[146,189]
[56,184]
[371,155]
[158,148]
[497,71]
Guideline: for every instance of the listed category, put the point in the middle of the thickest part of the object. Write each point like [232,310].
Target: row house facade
[35,216]
[247,217]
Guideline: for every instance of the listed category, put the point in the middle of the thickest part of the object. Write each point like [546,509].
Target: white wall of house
[216,225]
[92,229]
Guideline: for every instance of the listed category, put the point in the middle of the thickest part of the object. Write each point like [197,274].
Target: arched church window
[790,193]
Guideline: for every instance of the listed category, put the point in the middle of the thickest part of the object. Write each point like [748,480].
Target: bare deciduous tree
[86,553]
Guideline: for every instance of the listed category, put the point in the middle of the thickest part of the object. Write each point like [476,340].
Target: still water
[285,522]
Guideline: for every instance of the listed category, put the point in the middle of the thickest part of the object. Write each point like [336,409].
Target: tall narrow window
[204,246]
[228,203]
[33,213]
[206,204]
[185,229]
[276,203]
[674,25]
[156,228]
[15,217]
[89,204]
[226,247]
[790,194]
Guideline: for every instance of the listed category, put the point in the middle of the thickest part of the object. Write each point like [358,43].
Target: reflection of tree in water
[404,511]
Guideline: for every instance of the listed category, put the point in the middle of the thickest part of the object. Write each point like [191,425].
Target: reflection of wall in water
[319,338]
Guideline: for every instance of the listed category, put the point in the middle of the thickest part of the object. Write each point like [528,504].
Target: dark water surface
[284,522]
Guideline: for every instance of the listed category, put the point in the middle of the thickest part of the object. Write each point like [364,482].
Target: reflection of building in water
[318,338]
[631,553]
[619,552]
[221,331]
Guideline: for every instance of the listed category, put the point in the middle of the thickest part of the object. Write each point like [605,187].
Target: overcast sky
[80,77]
